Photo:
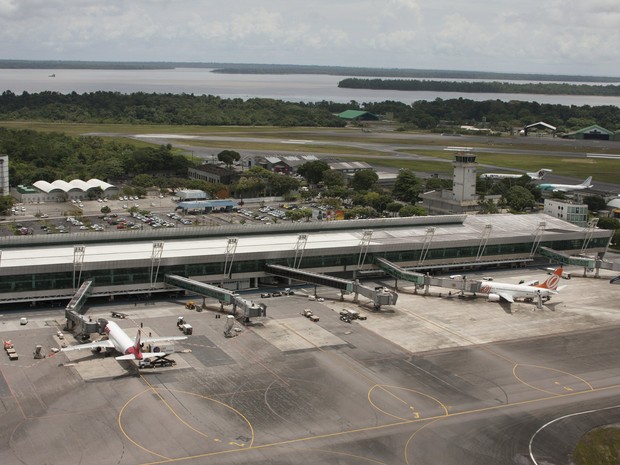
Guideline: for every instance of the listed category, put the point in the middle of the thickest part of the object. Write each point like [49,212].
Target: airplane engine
[493,298]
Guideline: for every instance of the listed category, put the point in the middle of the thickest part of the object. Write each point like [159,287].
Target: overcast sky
[554,36]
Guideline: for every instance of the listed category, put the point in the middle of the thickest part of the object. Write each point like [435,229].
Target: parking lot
[150,213]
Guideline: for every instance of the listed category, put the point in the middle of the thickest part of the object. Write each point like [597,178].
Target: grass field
[414,165]
[600,446]
[601,169]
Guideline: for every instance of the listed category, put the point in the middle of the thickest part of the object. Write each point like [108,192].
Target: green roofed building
[357,115]
[594,132]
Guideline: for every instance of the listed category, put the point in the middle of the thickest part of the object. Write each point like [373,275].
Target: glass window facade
[141,275]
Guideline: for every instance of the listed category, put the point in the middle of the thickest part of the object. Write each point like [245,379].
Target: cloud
[7,7]
[559,34]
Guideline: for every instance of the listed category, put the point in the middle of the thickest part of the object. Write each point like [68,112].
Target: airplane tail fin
[135,351]
[587,181]
[553,280]
[542,173]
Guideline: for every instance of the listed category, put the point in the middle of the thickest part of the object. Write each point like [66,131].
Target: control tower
[462,198]
[464,177]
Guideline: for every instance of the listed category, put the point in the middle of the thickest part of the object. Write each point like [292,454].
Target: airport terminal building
[50,267]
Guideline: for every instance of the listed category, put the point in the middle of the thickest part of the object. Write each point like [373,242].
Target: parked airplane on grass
[538,175]
[122,343]
[509,292]
[567,187]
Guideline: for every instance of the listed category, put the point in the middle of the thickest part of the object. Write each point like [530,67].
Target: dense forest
[496,114]
[50,156]
[137,108]
[185,109]
[496,87]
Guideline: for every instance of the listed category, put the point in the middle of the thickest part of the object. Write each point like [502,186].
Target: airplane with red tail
[497,291]
[122,343]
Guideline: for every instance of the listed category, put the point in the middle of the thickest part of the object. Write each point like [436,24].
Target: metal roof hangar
[51,267]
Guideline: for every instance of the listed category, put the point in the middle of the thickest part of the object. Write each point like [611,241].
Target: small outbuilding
[357,115]
[192,194]
[539,128]
[207,206]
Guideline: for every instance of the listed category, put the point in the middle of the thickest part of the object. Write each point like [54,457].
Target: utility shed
[357,115]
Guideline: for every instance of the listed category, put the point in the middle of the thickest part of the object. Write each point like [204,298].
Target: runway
[433,380]
[396,146]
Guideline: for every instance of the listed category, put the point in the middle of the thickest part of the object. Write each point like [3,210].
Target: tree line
[496,87]
[495,114]
[49,156]
[187,109]
[153,108]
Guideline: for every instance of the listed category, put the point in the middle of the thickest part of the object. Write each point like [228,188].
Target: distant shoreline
[492,87]
[252,68]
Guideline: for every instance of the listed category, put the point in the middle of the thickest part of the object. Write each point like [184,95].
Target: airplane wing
[505,296]
[149,340]
[531,283]
[103,344]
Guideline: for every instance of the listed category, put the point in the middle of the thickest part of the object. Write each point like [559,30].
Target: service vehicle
[157,363]
[186,328]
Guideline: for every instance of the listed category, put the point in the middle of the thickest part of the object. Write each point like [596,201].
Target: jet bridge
[225,297]
[379,295]
[74,312]
[397,272]
[459,284]
[561,257]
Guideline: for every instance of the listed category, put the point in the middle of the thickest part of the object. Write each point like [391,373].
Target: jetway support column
[356,294]
[539,301]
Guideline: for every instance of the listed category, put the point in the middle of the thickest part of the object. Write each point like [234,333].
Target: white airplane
[509,292]
[534,175]
[567,187]
[122,343]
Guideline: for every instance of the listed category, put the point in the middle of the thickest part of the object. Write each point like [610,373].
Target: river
[201,81]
